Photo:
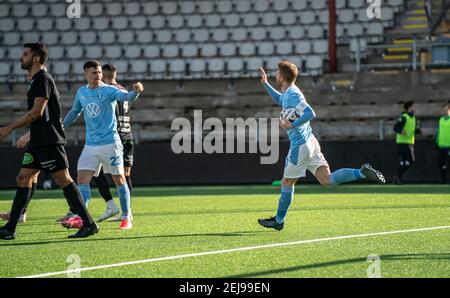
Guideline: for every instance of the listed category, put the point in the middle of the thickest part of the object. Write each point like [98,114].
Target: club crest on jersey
[93,110]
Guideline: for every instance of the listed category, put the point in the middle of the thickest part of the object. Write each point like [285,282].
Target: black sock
[444,175]
[33,189]
[401,171]
[130,184]
[76,203]
[103,187]
[19,202]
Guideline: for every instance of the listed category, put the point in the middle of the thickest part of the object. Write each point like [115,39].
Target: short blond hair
[288,71]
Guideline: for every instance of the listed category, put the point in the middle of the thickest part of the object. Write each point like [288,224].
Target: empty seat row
[134,8]
[257,34]
[172,67]
[189,21]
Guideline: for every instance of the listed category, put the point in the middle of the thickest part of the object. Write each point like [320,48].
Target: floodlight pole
[332,56]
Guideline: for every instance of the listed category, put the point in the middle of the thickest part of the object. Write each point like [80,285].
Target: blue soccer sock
[125,200]
[85,190]
[287,195]
[345,175]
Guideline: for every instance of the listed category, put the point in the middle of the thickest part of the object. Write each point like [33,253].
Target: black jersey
[47,130]
[123,118]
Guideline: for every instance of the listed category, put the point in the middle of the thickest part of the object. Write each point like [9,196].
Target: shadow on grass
[259,190]
[391,257]
[94,239]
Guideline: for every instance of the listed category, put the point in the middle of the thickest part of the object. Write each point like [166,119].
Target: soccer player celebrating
[103,148]
[304,153]
[126,137]
[45,150]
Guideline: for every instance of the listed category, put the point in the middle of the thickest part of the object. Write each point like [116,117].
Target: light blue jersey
[99,109]
[294,98]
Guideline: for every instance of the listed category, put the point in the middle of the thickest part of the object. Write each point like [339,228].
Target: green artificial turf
[170,221]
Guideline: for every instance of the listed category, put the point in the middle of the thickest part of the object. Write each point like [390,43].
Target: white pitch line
[184,256]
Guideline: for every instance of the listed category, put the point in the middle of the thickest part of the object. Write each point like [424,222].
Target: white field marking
[177,257]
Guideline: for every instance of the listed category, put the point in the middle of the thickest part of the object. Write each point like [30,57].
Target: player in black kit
[45,150]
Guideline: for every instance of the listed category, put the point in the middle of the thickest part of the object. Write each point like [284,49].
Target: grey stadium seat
[216,65]
[133,51]
[5,68]
[176,21]
[303,47]
[205,7]
[114,9]
[75,52]
[262,5]
[126,37]
[189,50]
[194,21]
[296,32]
[122,65]
[288,18]
[224,7]
[31,36]
[243,6]
[356,3]
[101,23]
[139,66]
[151,51]
[93,52]
[201,35]
[254,63]
[168,7]
[250,20]
[346,16]
[320,46]
[95,9]
[228,49]
[299,4]
[45,24]
[170,51]
[164,36]
[63,24]
[281,5]
[307,17]
[139,22]
[258,33]
[355,29]
[277,33]
[132,8]
[157,22]
[14,53]
[82,24]
[220,35]
[319,4]
[88,37]
[150,8]
[113,51]
[177,67]
[69,38]
[209,50]
[4,10]
[266,49]
[56,52]
[324,16]
[120,23]
[239,34]
[50,38]
[20,10]
[158,66]
[269,19]
[25,24]
[213,20]
[187,7]
[247,49]
[314,64]
[197,67]
[315,31]
[107,37]
[235,65]
[284,48]
[232,20]
[7,25]
[340,4]
[183,35]
[61,67]
[144,36]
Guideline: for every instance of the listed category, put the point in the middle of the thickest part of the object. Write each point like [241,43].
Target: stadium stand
[164,30]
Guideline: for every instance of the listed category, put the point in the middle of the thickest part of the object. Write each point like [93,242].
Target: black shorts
[444,155]
[406,153]
[128,152]
[49,159]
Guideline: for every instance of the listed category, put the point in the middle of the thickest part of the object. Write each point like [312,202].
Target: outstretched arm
[74,113]
[272,91]
[122,95]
